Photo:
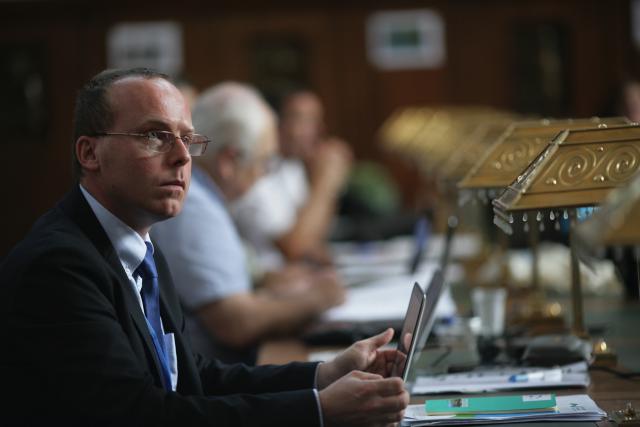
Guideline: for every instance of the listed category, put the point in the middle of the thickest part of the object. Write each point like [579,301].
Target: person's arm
[242,319]
[294,278]
[327,171]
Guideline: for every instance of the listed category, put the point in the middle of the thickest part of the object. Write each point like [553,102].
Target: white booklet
[505,378]
[579,407]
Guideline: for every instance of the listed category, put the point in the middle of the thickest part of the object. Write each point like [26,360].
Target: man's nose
[179,153]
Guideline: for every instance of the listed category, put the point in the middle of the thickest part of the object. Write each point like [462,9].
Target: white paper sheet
[483,379]
[387,299]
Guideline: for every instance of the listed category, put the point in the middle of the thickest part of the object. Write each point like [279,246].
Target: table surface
[608,390]
[617,319]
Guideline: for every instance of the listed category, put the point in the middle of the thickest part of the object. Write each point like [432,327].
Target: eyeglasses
[159,141]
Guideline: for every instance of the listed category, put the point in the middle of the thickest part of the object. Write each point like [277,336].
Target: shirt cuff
[315,392]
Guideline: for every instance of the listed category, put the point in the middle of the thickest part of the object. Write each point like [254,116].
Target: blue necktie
[151,301]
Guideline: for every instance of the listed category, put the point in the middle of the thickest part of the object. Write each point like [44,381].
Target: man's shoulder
[202,214]
[53,235]
[202,196]
[57,266]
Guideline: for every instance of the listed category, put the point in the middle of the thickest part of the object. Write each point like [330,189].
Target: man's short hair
[232,115]
[92,112]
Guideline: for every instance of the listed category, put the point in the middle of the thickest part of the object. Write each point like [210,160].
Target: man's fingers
[392,418]
[382,338]
[390,406]
[384,360]
[390,387]
[389,354]
[377,341]
[367,376]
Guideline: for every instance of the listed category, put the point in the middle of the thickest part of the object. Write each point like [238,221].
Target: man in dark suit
[92,332]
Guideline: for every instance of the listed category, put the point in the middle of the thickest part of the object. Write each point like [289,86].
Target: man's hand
[329,165]
[328,290]
[364,355]
[292,279]
[363,399]
[322,286]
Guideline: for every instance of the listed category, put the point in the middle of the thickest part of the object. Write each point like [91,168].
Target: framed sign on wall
[406,39]
[156,45]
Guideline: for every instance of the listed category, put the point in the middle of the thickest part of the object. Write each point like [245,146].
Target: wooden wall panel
[358,97]
[36,175]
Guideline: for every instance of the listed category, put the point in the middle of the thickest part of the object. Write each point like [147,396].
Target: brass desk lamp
[518,146]
[500,165]
[443,143]
[577,169]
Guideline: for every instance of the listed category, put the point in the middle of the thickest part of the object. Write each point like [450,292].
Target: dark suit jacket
[75,349]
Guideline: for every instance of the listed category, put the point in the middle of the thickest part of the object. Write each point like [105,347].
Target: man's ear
[86,153]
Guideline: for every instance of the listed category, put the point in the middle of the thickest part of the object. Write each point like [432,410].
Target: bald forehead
[138,102]
[138,88]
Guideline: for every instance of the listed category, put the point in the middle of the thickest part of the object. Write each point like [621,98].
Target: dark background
[495,55]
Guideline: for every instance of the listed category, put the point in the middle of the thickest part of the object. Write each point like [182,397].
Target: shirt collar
[128,244]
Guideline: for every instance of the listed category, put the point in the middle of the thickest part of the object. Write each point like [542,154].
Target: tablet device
[408,335]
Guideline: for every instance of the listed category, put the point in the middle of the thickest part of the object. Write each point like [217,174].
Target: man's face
[301,125]
[249,171]
[139,186]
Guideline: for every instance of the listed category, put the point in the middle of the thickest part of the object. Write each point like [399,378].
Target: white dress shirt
[131,249]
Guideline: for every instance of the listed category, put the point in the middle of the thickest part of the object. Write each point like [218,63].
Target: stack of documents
[486,405]
[358,262]
[578,407]
[504,378]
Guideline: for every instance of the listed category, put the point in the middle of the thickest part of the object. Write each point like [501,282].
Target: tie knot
[147,268]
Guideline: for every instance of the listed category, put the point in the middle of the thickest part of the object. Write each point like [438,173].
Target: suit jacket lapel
[75,205]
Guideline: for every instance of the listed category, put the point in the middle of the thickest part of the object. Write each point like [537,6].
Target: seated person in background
[226,318]
[92,330]
[288,213]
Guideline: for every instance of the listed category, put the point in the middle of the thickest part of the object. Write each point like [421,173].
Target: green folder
[492,405]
